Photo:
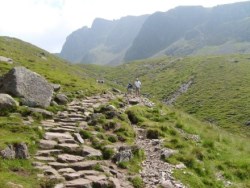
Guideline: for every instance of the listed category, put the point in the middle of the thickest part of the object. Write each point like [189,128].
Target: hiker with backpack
[137,87]
[129,88]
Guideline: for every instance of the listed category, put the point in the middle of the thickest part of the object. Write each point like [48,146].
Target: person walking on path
[137,87]
[129,89]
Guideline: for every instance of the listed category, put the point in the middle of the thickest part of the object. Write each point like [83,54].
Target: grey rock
[45,159]
[124,155]
[116,90]
[66,170]
[57,165]
[247,123]
[134,101]
[52,136]
[69,158]
[8,152]
[7,102]
[167,184]
[79,183]
[85,165]
[6,60]
[79,138]
[21,150]
[21,82]
[166,153]
[61,99]
[47,144]
[91,152]
[43,112]
[56,87]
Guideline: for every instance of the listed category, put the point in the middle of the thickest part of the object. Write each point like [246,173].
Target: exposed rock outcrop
[30,86]
[6,60]
[16,151]
[7,102]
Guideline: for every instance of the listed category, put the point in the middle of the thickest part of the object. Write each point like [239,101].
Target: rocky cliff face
[105,42]
[180,31]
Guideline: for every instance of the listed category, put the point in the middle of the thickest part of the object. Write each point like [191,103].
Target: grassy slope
[220,93]
[12,129]
[53,68]
[216,158]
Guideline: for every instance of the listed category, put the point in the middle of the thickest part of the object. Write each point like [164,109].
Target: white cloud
[47,23]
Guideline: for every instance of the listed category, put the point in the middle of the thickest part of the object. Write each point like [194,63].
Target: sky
[47,23]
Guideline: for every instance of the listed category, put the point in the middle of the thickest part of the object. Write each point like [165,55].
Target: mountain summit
[185,30]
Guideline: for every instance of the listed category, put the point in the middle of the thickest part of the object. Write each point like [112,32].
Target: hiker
[137,87]
[130,88]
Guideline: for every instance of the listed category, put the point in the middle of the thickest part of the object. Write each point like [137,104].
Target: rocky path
[64,156]
[156,172]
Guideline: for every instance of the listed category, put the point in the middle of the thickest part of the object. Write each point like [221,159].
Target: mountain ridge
[184,30]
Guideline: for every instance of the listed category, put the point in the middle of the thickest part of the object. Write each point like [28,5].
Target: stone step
[78,183]
[47,144]
[85,165]
[60,129]
[56,136]
[58,165]
[70,148]
[88,151]
[67,141]
[72,124]
[66,170]
[67,158]
[45,159]
[47,153]
[69,120]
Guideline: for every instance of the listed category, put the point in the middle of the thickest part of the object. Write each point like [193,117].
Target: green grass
[71,77]
[220,93]
[218,151]
[21,172]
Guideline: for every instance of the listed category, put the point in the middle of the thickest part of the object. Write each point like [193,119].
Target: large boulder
[30,86]
[7,102]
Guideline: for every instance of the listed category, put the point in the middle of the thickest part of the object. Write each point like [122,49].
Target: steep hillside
[219,91]
[191,30]
[91,132]
[104,43]
[187,30]
[51,67]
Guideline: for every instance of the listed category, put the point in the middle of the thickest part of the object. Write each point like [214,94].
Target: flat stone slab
[85,165]
[91,152]
[69,158]
[79,183]
[47,144]
[69,147]
[72,176]
[57,165]
[66,170]
[61,129]
[53,135]
[67,141]
[89,172]
[47,153]
[46,159]
[96,178]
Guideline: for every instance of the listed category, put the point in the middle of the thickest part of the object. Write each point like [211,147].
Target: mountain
[194,30]
[186,30]
[104,43]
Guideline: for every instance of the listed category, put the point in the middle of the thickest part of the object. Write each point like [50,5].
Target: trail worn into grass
[155,172]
